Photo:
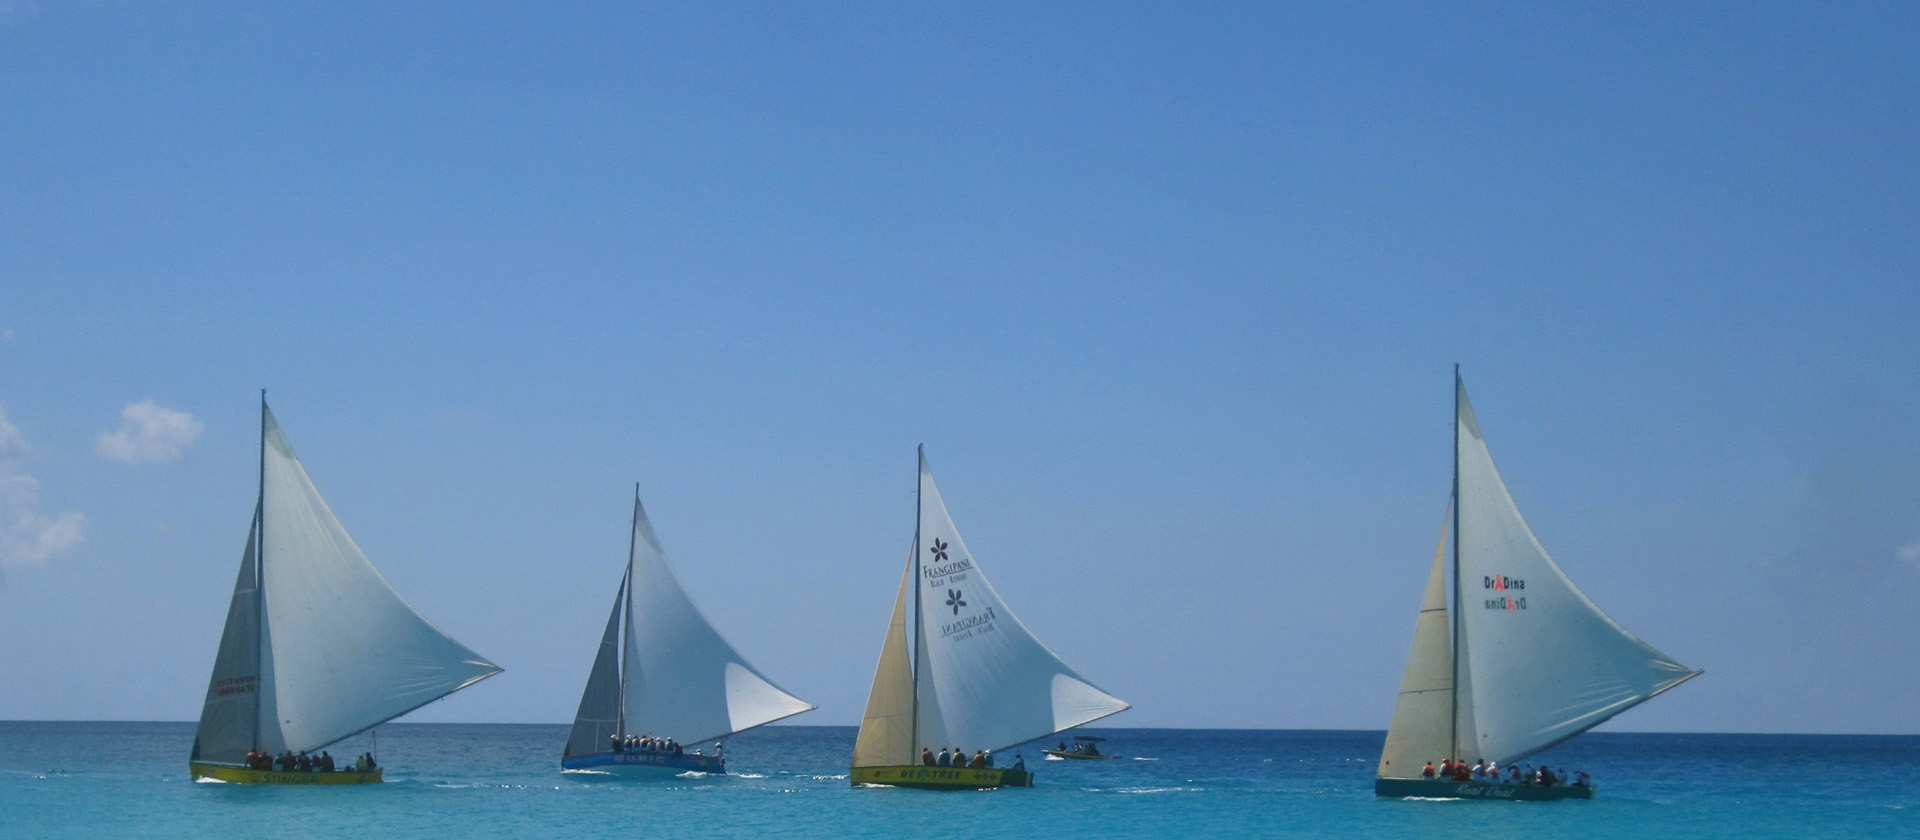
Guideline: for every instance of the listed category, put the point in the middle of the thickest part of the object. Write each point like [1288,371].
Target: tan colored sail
[1422,727]
[886,730]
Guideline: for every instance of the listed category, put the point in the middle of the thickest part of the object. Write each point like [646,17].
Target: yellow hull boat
[940,778]
[250,776]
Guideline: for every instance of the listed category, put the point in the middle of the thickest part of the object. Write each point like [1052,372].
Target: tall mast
[260,571]
[1454,739]
[626,616]
[919,468]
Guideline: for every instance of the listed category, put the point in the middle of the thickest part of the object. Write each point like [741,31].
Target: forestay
[1539,662]
[984,681]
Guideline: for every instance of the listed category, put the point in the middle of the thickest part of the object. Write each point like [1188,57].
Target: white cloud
[28,535]
[149,435]
[1909,554]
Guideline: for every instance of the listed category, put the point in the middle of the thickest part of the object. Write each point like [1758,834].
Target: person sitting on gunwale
[979,761]
[1446,768]
[926,756]
[1427,771]
[945,759]
[326,762]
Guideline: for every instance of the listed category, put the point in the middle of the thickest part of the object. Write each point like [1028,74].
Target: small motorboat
[1087,746]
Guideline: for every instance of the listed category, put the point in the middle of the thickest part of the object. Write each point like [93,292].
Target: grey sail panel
[598,720]
[229,719]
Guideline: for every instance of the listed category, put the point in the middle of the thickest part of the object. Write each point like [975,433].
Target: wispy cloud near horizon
[149,434]
[29,536]
[1909,554]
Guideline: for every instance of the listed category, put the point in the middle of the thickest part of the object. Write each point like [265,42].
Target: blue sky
[1171,295]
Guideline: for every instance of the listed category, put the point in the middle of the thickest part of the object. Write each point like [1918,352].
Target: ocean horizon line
[1197,729]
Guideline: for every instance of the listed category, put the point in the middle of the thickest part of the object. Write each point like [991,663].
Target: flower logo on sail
[939,550]
[953,600]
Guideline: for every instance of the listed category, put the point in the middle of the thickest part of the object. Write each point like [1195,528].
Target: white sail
[1422,727]
[983,681]
[886,729]
[683,681]
[230,718]
[1539,662]
[598,718]
[341,651]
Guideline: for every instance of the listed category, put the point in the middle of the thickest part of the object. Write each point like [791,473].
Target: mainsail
[1532,661]
[334,649]
[980,679]
[1538,661]
[677,677]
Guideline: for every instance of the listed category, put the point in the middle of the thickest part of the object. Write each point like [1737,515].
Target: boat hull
[643,764]
[1074,755]
[249,776]
[1439,789]
[940,778]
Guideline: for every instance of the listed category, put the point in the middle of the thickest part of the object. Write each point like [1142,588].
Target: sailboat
[317,647]
[975,677]
[663,672]
[1529,661]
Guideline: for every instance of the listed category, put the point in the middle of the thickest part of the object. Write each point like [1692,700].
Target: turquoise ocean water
[60,780]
